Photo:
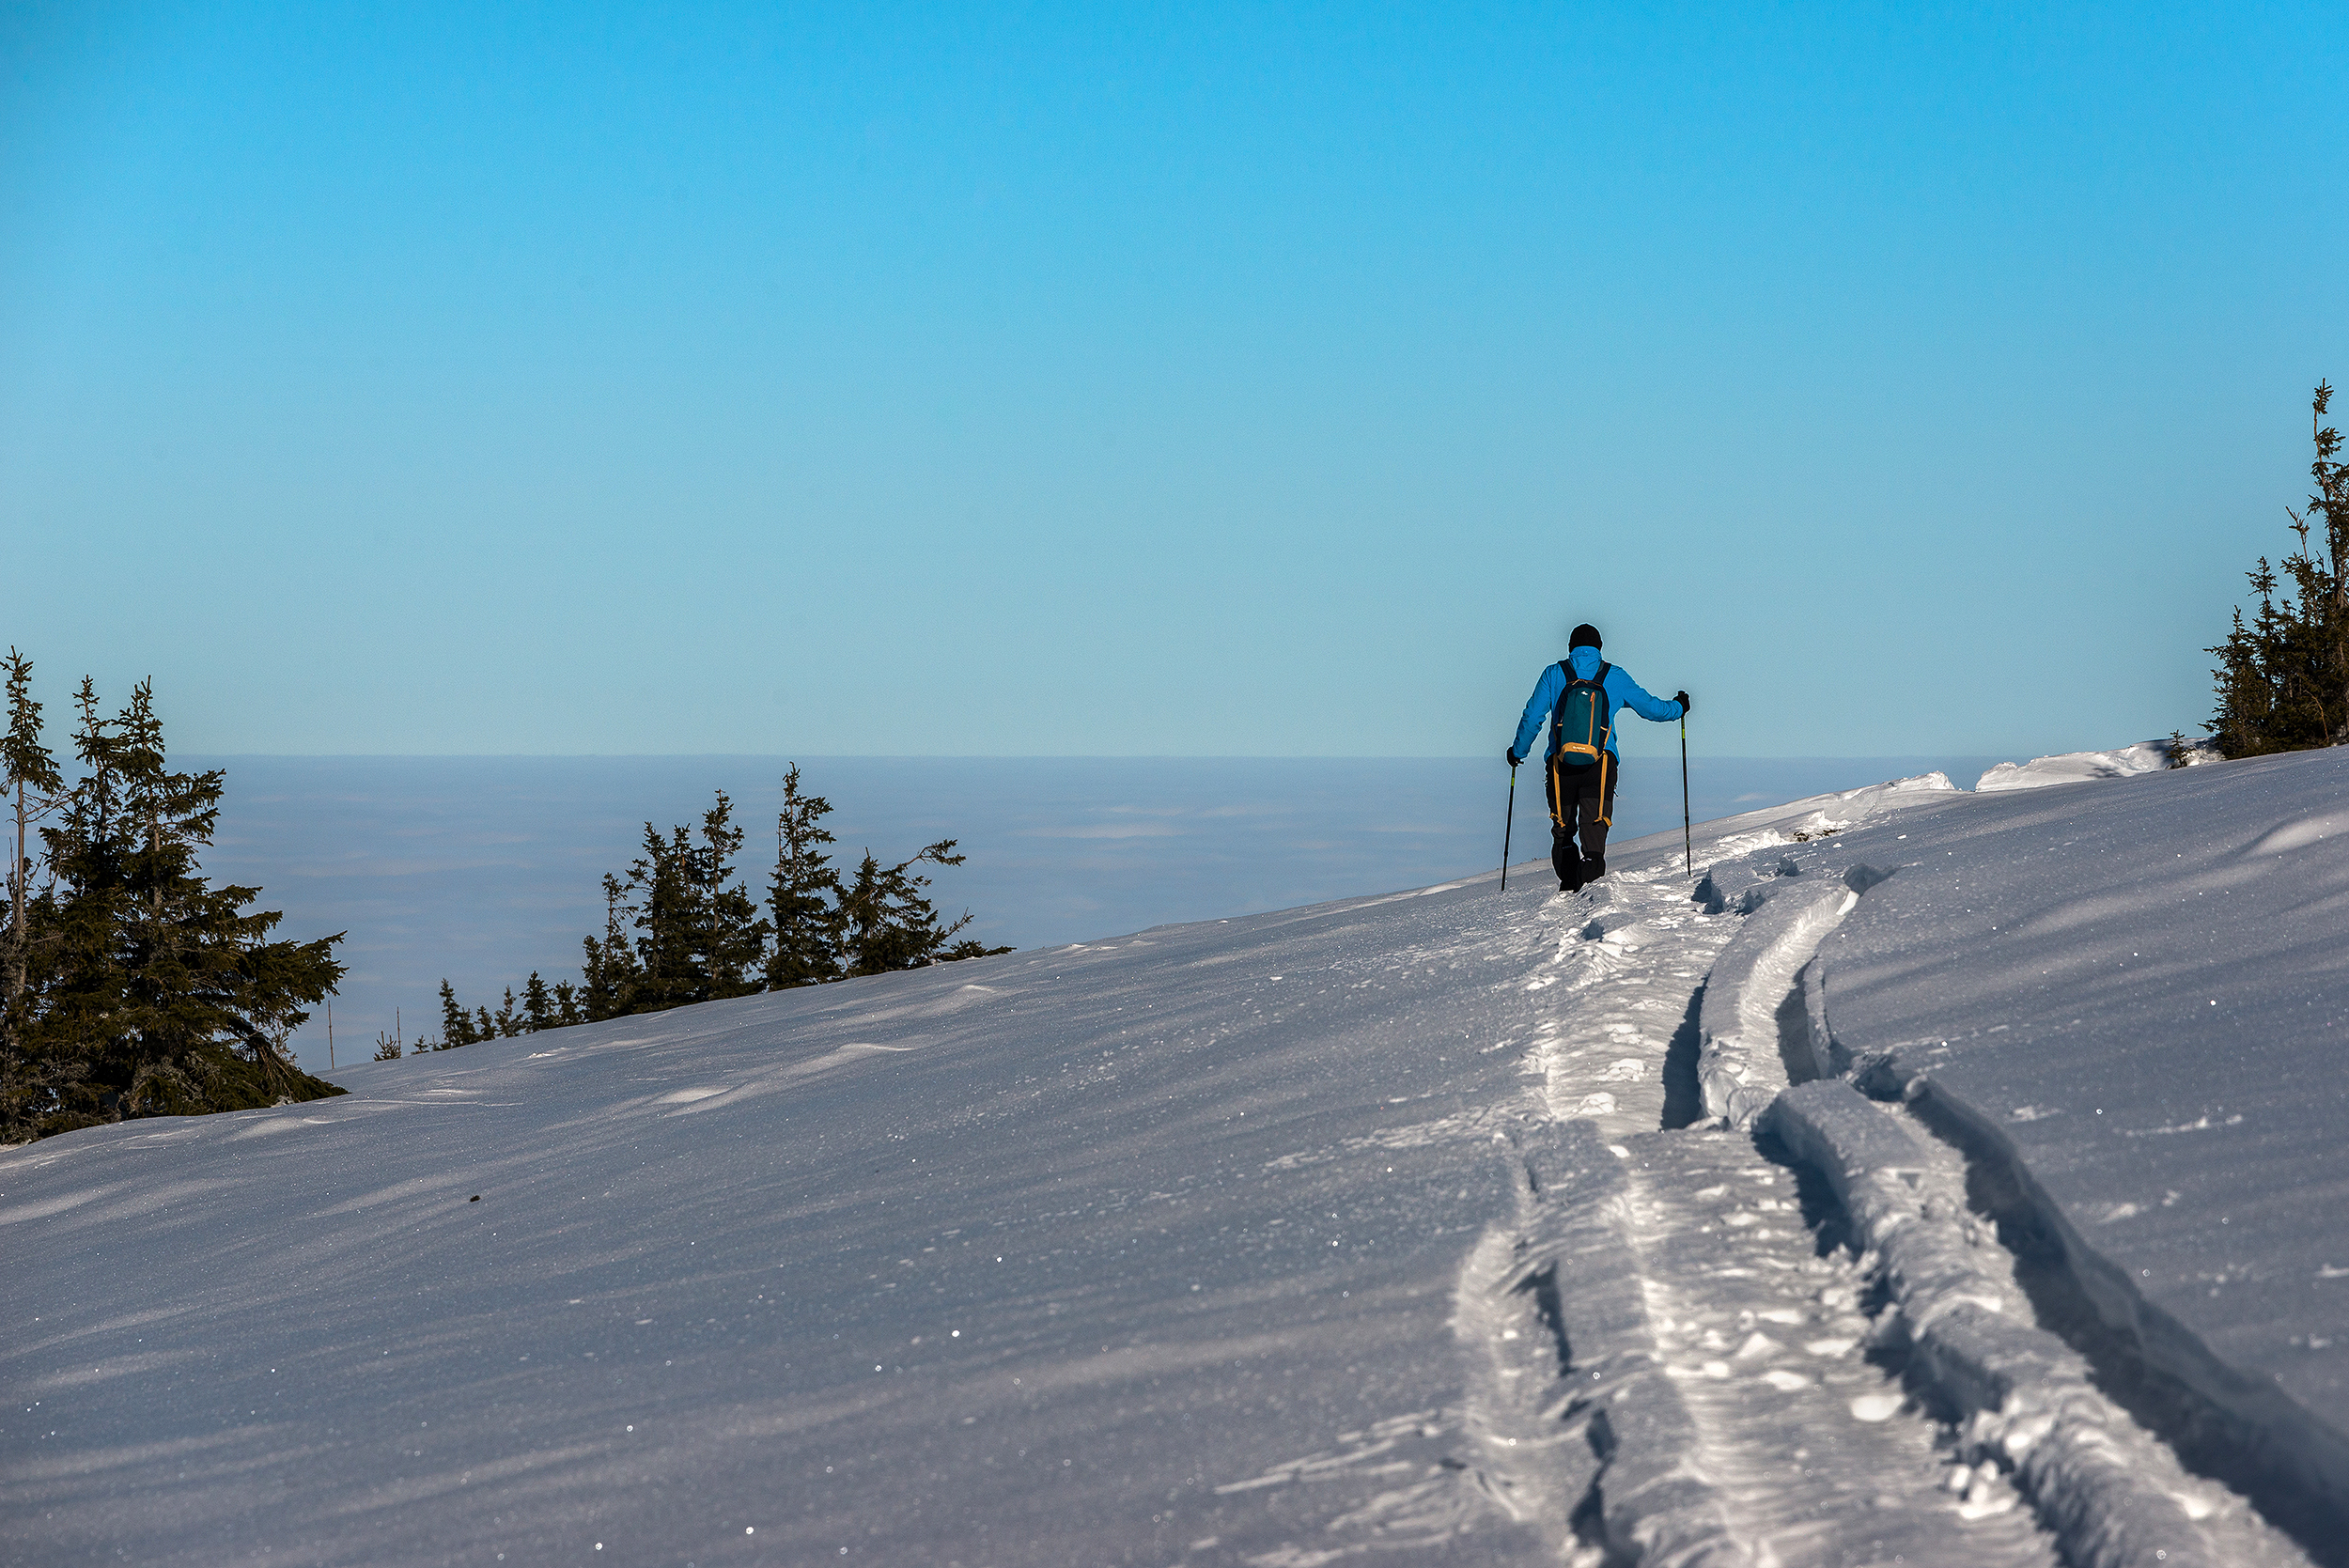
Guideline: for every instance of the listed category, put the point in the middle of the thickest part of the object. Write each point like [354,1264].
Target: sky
[1130,380]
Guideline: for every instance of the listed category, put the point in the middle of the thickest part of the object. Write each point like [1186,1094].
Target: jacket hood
[1586,660]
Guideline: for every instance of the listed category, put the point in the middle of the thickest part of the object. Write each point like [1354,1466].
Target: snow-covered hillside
[1452,1223]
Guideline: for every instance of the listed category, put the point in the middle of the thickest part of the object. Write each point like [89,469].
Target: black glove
[1682,698]
[1512,755]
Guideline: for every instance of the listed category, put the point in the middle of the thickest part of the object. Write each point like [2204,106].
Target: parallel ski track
[1803,1445]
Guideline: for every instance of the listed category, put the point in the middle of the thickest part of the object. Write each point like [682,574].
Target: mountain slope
[1430,1222]
[1013,1260]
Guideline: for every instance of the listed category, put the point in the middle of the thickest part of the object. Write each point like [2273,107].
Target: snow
[2109,1488]
[2137,993]
[1089,1254]
[1740,1068]
[2146,757]
[1815,815]
[1414,1224]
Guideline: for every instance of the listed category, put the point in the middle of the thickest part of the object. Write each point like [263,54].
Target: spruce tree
[699,936]
[608,976]
[731,935]
[803,893]
[680,929]
[662,885]
[891,925]
[456,1023]
[2283,681]
[538,1006]
[161,993]
[29,775]
[82,993]
[199,966]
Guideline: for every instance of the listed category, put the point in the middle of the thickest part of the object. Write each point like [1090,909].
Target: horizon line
[1037,757]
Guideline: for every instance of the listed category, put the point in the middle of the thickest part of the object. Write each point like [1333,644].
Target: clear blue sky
[1093,380]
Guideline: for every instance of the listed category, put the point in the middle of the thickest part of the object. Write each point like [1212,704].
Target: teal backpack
[1578,728]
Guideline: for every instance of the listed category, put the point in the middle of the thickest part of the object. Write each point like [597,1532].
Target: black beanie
[1585,635]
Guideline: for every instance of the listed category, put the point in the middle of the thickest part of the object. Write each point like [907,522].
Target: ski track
[1651,1337]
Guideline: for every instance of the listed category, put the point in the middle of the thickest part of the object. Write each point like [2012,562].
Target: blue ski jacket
[1621,693]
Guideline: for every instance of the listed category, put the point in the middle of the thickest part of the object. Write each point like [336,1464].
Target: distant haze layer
[483,869]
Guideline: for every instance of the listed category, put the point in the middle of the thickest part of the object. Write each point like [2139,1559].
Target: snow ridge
[2122,762]
[2111,1492]
[2247,1435]
[1740,1068]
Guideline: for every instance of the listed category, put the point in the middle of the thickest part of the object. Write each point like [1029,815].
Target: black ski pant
[1581,801]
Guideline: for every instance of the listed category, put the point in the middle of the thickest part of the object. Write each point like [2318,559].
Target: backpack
[1578,727]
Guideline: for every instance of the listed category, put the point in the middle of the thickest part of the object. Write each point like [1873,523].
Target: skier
[1580,697]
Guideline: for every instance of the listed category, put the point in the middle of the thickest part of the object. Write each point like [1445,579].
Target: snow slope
[1044,1258]
[2141,993]
[1451,1223]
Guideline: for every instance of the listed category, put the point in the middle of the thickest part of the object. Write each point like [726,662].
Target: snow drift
[2123,762]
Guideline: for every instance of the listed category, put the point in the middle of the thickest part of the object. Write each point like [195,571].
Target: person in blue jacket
[1583,794]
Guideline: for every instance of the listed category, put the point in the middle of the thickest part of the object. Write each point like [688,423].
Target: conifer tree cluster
[129,986]
[2283,679]
[681,928]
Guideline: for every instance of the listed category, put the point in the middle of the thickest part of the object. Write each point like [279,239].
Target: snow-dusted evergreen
[1929,1176]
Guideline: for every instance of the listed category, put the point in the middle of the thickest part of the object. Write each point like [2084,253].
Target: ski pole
[1509,828]
[1687,854]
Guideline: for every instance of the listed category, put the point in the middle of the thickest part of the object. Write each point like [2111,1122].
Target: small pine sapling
[538,1006]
